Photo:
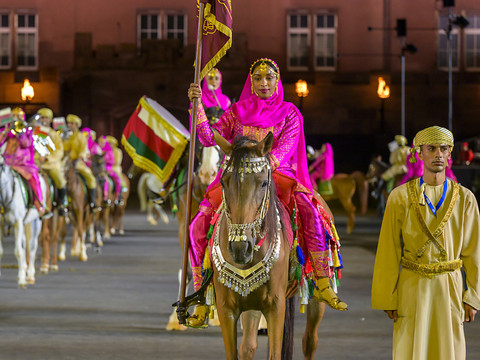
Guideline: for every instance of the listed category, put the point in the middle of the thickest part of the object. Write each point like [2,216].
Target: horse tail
[142,191]
[362,188]
[288,329]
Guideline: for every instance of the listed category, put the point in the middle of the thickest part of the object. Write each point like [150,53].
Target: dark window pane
[31,21]
[330,21]
[171,22]
[181,37]
[320,21]
[31,61]
[154,35]
[144,22]
[143,35]
[4,60]
[21,20]
[303,21]
[21,60]
[180,22]
[154,22]
[293,21]
[4,22]
[330,61]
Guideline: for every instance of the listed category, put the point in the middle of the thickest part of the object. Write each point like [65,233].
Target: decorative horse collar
[244,281]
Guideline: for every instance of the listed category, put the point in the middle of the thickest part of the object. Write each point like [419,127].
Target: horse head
[98,164]
[247,191]
[375,170]
[210,163]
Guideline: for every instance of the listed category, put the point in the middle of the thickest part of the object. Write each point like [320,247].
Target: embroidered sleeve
[224,126]
[288,138]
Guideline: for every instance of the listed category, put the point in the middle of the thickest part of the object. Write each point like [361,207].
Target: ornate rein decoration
[244,281]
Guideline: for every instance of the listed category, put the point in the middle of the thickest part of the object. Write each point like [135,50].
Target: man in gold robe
[429,238]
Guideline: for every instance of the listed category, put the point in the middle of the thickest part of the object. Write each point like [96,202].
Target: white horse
[26,223]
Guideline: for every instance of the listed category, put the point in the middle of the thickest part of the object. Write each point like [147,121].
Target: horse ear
[265,146]
[222,142]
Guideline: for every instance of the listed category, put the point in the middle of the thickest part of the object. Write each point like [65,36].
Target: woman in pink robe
[260,110]
[19,155]
[323,167]
[109,157]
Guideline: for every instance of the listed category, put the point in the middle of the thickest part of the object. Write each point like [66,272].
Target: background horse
[149,182]
[108,199]
[375,170]
[118,211]
[26,222]
[251,242]
[79,214]
[202,178]
[50,231]
[344,187]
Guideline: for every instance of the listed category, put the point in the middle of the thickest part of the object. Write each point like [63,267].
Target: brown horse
[252,277]
[344,187]
[79,214]
[50,232]
[119,209]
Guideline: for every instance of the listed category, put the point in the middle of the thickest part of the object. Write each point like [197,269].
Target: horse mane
[243,147]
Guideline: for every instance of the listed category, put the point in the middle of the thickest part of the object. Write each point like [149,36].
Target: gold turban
[45,112]
[401,140]
[431,136]
[112,141]
[74,119]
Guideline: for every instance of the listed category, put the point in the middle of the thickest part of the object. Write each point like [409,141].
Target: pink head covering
[208,99]
[253,111]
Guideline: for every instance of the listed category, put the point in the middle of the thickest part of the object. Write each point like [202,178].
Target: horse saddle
[27,191]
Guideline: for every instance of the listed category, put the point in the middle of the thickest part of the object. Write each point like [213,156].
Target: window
[5,41]
[26,44]
[162,25]
[472,43]
[311,35]
[325,41]
[442,56]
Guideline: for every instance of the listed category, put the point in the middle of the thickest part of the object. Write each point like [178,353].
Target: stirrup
[328,296]
[199,318]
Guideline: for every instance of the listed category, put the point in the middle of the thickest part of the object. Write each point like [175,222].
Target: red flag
[216,33]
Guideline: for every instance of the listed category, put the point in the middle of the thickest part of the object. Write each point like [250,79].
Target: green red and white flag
[216,33]
[41,131]
[154,138]
[6,116]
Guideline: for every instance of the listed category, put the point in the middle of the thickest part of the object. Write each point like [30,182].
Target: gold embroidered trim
[201,116]
[431,270]
[320,262]
[412,193]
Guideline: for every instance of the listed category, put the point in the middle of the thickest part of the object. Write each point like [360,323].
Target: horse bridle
[236,232]
[244,281]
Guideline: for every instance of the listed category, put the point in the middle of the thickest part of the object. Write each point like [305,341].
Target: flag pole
[181,310]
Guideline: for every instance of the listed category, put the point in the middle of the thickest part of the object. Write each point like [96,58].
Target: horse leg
[45,244]
[2,228]
[275,320]
[121,213]
[85,226]
[250,320]
[228,322]
[150,217]
[20,253]
[35,228]
[106,223]
[57,224]
[350,210]
[63,246]
[315,311]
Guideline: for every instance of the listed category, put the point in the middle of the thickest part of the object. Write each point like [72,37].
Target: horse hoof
[121,232]
[175,327]
[113,231]
[61,257]
[31,281]
[44,269]
[54,268]
[152,221]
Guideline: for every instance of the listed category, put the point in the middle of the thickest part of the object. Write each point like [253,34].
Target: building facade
[97,58]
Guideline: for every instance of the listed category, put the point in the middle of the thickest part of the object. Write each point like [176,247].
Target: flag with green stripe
[154,138]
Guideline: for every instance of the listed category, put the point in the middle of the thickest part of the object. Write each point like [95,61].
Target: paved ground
[116,305]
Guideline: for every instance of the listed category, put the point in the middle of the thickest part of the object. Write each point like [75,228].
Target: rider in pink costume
[19,155]
[93,147]
[109,163]
[260,110]
[414,169]
[323,167]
